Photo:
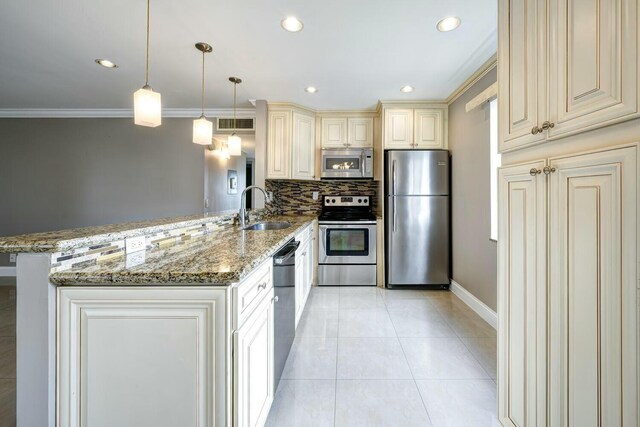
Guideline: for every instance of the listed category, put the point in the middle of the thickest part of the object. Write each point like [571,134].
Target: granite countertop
[222,257]
[59,241]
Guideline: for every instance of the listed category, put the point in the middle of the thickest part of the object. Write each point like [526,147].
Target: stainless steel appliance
[284,282]
[347,163]
[417,227]
[347,242]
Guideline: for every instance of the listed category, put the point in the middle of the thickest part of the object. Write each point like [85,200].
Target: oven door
[342,243]
[347,163]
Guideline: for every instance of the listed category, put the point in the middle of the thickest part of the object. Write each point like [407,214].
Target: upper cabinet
[565,69]
[415,128]
[343,132]
[291,144]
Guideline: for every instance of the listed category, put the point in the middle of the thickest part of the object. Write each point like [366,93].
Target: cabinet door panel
[360,132]
[304,147]
[592,298]
[398,129]
[334,132]
[593,63]
[278,145]
[254,353]
[521,71]
[521,296]
[137,357]
[428,129]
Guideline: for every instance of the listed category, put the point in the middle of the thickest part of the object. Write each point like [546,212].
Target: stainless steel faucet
[243,203]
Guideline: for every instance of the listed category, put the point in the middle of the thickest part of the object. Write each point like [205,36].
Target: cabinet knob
[549,170]
[535,130]
[262,285]
[547,125]
[534,172]
[274,299]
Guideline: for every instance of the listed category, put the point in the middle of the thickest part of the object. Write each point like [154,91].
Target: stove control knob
[333,200]
[359,200]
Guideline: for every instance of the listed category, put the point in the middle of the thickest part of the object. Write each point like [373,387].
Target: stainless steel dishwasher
[284,282]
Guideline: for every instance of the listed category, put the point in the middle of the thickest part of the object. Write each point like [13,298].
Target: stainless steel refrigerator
[417,230]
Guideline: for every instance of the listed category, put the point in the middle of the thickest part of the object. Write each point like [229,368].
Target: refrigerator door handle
[393,174]
[395,212]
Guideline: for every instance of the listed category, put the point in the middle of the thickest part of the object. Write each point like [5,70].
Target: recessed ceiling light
[292,24]
[406,89]
[106,63]
[311,89]
[448,24]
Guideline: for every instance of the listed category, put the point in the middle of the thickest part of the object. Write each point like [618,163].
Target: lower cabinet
[304,269]
[253,366]
[568,310]
[135,357]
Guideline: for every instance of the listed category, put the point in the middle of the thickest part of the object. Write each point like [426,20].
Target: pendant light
[234,142]
[147,107]
[202,128]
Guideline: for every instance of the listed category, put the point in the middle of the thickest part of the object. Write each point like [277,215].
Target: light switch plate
[135,244]
[316,195]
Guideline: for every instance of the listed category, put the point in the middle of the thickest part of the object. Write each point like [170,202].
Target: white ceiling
[355,51]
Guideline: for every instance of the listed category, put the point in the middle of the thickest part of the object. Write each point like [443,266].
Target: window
[494,164]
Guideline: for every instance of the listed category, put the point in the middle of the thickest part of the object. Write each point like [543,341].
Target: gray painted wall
[67,173]
[474,254]
[215,181]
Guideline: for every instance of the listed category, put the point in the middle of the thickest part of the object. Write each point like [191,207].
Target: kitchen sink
[273,225]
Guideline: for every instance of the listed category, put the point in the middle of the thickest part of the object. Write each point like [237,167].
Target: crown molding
[60,113]
[484,69]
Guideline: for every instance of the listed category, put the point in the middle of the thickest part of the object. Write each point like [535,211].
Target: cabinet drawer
[250,292]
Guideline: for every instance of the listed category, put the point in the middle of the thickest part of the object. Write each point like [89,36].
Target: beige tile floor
[362,357]
[7,352]
[374,357]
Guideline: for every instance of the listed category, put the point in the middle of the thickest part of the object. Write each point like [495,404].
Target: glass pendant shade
[235,145]
[202,131]
[147,107]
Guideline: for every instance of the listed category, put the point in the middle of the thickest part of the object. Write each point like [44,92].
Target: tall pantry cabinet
[568,289]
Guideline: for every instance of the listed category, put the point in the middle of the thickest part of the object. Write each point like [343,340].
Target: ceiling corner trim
[76,113]
[484,69]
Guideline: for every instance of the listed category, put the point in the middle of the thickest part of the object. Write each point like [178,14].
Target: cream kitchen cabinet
[254,366]
[566,68]
[142,356]
[415,128]
[568,310]
[303,146]
[291,144]
[334,132]
[304,269]
[522,295]
[343,132]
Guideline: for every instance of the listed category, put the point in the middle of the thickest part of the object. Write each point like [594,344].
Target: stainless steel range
[347,242]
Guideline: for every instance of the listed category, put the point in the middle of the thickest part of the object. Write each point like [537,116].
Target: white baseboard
[7,271]
[475,304]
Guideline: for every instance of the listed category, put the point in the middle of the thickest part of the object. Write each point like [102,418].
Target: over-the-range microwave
[347,163]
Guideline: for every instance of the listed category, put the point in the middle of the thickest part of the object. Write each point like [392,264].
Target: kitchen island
[177,333]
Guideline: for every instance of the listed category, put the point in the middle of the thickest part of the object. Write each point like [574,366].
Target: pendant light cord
[147,67]
[203,83]
[235,85]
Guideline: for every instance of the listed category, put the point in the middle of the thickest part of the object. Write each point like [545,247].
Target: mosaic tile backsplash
[295,197]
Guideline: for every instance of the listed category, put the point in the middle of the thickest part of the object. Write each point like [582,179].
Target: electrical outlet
[135,244]
[316,195]
[269,196]
[134,259]
[12,258]
[206,203]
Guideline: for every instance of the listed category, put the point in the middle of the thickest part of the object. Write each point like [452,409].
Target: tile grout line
[424,405]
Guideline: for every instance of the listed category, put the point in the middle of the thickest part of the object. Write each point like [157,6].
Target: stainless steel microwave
[347,163]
